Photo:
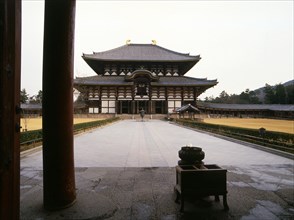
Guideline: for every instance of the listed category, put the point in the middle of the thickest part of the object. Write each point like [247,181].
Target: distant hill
[291,82]
[260,92]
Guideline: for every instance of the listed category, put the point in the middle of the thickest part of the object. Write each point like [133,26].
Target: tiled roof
[272,107]
[29,106]
[163,81]
[183,81]
[189,108]
[101,80]
[141,52]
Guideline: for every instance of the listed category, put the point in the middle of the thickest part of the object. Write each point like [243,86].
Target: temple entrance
[134,107]
[141,105]
[160,107]
[125,107]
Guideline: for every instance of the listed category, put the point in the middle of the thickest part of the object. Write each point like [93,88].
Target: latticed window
[142,89]
[142,86]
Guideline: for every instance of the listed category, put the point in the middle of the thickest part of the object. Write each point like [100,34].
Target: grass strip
[275,140]
[31,139]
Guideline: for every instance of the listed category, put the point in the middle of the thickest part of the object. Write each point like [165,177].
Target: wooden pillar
[10,50]
[166,100]
[58,58]
[133,99]
[182,96]
[195,96]
[133,107]
[149,105]
[100,102]
[150,100]
[117,103]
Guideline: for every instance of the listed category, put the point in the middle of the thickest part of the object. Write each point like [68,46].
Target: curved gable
[142,73]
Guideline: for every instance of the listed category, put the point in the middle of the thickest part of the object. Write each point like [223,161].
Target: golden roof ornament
[154,42]
[128,42]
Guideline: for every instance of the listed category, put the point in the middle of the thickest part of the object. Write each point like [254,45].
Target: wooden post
[150,101]
[58,58]
[195,97]
[166,100]
[10,50]
[117,103]
[133,107]
[133,100]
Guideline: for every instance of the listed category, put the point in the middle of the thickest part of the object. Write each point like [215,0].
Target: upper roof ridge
[160,47]
[146,53]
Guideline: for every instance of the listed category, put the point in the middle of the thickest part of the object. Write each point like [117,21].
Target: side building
[247,110]
[139,76]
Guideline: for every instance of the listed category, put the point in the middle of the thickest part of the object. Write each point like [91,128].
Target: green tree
[275,94]
[234,99]
[244,97]
[223,97]
[290,94]
[24,96]
[253,98]
[248,97]
[39,97]
[280,94]
[269,94]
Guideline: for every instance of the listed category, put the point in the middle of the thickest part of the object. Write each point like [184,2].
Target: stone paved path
[154,143]
[126,171]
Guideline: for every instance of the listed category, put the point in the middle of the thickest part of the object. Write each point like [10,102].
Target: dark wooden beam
[10,61]
[58,58]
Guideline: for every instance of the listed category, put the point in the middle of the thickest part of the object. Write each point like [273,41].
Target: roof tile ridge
[201,79]
[151,45]
[137,44]
[175,52]
[126,45]
[190,77]
[110,49]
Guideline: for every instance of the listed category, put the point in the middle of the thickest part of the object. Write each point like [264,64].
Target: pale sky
[243,44]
